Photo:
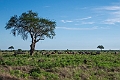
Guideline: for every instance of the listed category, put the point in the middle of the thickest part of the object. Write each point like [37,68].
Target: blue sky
[81,24]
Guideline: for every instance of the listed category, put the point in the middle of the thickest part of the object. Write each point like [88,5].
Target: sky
[81,24]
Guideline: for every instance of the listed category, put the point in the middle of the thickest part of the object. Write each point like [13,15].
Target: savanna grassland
[103,66]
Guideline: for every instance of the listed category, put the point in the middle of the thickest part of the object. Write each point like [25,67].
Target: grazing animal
[59,52]
[15,53]
[41,60]
[81,52]
[46,54]
[87,53]
[43,53]
[116,52]
[52,52]
[98,52]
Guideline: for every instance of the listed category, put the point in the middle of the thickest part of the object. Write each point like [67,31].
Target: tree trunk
[32,48]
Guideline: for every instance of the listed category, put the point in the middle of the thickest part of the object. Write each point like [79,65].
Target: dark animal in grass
[98,52]
[116,52]
[74,53]
[68,52]
[52,53]
[85,61]
[81,52]
[71,52]
[87,53]
[91,52]
[59,52]
[16,53]
[46,54]
[41,60]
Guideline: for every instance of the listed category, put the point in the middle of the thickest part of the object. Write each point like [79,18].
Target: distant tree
[30,24]
[11,47]
[100,47]
[19,50]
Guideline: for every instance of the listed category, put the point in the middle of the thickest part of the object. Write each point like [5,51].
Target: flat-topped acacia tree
[28,23]
[100,47]
[11,47]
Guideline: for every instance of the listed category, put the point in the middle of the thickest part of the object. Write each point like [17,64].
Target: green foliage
[19,74]
[29,23]
[62,66]
[37,73]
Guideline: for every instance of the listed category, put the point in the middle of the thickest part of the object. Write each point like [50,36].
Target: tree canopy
[100,47]
[11,47]
[28,23]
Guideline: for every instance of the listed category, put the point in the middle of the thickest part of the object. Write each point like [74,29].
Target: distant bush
[19,50]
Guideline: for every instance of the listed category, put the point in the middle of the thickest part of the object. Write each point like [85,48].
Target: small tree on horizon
[11,47]
[100,47]
[19,50]
[28,23]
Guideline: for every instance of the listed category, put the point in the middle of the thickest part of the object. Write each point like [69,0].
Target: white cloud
[78,20]
[105,27]
[83,28]
[66,21]
[111,8]
[63,21]
[116,13]
[112,21]
[111,13]
[68,28]
[84,18]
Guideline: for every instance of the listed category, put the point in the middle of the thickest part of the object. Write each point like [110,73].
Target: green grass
[105,66]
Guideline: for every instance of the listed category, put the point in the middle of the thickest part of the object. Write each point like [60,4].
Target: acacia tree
[100,47]
[28,23]
[11,47]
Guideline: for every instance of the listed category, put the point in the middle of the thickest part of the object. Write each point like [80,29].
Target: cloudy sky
[81,24]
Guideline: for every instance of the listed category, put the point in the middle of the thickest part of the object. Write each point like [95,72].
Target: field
[64,66]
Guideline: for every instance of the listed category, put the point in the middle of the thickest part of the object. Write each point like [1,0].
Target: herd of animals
[76,52]
[67,52]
